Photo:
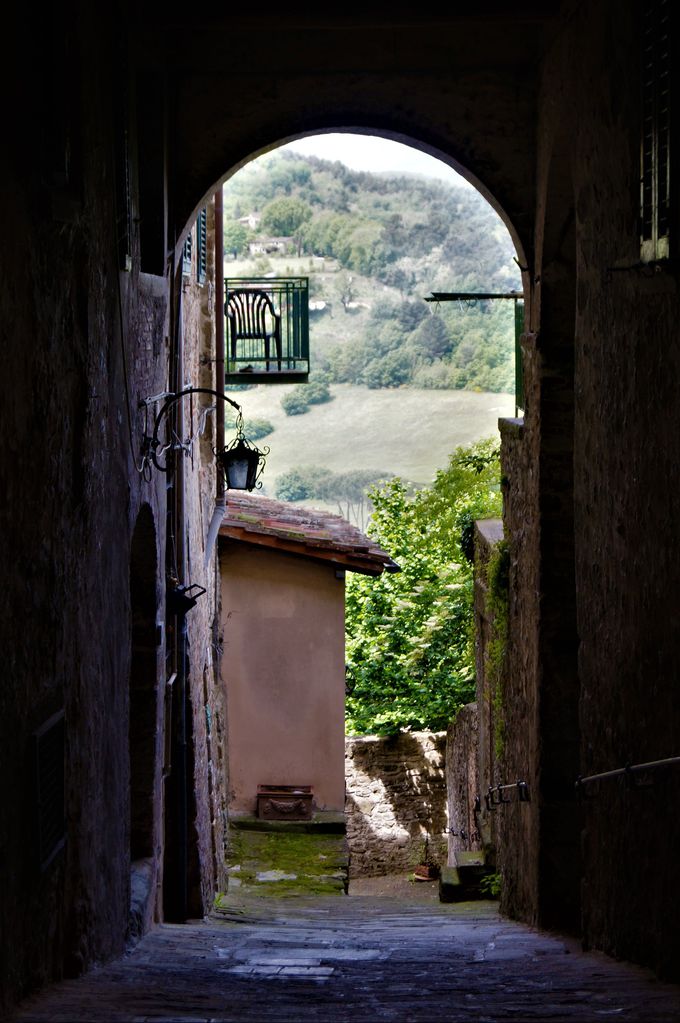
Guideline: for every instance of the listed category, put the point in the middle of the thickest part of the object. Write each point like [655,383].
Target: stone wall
[463,798]
[396,795]
[208,778]
[590,514]
[626,458]
[83,341]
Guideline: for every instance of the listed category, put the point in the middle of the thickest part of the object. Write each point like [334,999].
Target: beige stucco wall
[283,668]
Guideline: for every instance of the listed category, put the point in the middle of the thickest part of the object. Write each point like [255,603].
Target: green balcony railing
[266,329]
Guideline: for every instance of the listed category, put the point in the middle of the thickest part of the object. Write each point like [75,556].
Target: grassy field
[405,431]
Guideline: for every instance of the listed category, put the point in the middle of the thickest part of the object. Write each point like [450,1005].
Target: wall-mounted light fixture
[240,462]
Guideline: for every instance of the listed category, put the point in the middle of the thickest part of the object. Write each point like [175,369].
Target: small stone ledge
[511,428]
[491,530]
[322,823]
[450,886]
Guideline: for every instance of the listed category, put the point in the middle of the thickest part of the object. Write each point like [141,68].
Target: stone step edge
[453,886]
[331,825]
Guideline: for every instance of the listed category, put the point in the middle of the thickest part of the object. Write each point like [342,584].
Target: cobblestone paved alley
[357,958]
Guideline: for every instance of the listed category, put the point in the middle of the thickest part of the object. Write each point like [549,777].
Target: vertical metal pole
[519,369]
[181,683]
[219,333]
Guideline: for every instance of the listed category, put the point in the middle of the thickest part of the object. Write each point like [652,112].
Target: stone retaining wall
[396,794]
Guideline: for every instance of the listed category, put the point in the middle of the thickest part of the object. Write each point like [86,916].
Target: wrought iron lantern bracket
[240,462]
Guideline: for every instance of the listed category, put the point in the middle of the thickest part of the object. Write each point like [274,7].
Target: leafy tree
[349,490]
[344,289]
[392,370]
[301,484]
[284,216]
[302,396]
[431,338]
[410,657]
[235,237]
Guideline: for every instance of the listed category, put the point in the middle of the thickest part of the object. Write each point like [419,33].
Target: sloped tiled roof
[308,532]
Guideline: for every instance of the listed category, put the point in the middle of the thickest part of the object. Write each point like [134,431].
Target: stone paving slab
[357,959]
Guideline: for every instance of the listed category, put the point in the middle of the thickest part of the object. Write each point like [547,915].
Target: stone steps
[463,881]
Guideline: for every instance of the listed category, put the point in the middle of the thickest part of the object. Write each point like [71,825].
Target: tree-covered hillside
[374,246]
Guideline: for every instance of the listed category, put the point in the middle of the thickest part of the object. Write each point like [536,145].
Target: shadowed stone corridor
[404,957]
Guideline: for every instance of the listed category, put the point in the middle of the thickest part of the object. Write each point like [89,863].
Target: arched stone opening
[412,141]
[408,141]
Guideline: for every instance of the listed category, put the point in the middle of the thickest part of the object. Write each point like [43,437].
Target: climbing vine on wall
[497,609]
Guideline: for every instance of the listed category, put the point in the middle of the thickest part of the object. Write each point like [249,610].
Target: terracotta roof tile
[309,532]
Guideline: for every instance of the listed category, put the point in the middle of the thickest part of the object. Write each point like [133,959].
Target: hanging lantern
[241,464]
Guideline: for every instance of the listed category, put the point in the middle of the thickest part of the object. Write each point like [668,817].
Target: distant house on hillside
[268,246]
[252,221]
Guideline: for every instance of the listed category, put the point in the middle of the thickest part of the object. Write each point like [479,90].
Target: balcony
[266,330]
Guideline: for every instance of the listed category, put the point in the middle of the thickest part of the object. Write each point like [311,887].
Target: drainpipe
[220,499]
[219,331]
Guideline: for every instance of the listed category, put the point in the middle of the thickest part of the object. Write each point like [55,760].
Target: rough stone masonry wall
[70,496]
[626,466]
[207,698]
[462,784]
[396,795]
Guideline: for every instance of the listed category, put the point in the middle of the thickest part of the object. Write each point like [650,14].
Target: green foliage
[236,237]
[284,216]
[302,483]
[410,652]
[299,400]
[497,608]
[491,885]
[349,490]
[254,428]
[317,392]
[295,403]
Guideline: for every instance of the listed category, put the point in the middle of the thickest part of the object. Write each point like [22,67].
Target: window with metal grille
[202,246]
[655,197]
[48,781]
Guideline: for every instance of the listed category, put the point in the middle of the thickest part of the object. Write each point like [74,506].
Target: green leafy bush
[254,428]
[410,644]
[295,403]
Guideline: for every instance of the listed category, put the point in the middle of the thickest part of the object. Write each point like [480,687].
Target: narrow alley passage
[357,958]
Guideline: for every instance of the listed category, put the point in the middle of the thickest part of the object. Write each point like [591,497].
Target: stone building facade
[396,802]
[123,125]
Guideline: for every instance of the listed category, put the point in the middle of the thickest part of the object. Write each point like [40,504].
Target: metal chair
[252,318]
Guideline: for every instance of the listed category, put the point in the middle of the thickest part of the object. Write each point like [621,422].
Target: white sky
[370,153]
